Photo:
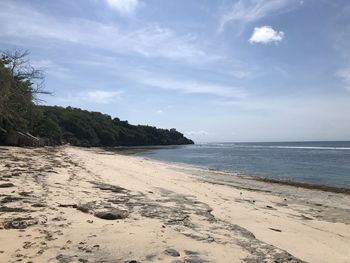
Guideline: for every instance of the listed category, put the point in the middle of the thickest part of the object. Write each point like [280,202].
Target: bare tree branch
[19,65]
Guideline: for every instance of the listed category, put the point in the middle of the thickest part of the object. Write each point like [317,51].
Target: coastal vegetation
[20,115]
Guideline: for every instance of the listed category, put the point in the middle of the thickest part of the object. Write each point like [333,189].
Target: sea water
[322,163]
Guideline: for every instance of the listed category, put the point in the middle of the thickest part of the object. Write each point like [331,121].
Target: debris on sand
[275,229]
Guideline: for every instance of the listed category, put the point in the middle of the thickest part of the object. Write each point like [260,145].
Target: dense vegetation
[80,127]
[19,86]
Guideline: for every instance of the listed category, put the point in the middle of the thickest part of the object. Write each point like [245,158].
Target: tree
[18,63]
[20,85]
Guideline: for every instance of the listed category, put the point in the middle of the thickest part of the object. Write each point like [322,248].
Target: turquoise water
[325,163]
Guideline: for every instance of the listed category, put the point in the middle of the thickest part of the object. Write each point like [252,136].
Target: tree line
[20,85]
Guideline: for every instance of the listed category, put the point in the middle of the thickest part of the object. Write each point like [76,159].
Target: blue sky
[240,70]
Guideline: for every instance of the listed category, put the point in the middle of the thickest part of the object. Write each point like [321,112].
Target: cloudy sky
[225,70]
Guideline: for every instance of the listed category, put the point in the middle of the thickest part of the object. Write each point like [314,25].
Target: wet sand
[70,204]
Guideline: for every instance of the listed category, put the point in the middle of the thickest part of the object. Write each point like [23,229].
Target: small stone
[38,205]
[112,214]
[270,207]
[83,208]
[210,239]
[171,252]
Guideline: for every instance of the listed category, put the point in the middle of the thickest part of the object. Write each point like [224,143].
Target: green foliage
[15,99]
[84,128]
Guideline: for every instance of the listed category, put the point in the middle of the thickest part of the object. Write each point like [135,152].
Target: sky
[216,70]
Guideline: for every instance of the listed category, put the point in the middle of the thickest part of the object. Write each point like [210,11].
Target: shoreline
[69,204]
[306,185]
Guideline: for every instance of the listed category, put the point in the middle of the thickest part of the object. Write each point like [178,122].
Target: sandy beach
[69,204]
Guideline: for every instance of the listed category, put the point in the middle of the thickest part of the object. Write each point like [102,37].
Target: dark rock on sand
[112,214]
[14,209]
[195,260]
[171,252]
[9,199]
[65,258]
[38,205]
[83,208]
[306,217]
[109,187]
[25,193]
[6,185]
[20,223]
[151,257]
[190,252]
[68,205]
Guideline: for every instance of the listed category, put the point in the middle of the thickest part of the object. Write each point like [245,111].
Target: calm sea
[326,163]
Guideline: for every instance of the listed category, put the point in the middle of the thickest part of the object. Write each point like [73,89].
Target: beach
[70,204]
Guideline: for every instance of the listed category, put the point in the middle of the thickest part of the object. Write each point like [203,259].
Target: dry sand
[70,204]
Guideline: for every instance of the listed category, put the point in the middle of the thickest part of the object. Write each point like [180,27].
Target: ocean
[321,163]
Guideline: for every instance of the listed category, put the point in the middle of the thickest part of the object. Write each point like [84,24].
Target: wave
[238,145]
[297,147]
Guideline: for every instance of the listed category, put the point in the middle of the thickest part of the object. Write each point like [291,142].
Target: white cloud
[124,7]
[21,23]
[266,34]
[252,10]
[194,87]
[101,96]
[344,75]
[91,96]
[159,111]
[241,74]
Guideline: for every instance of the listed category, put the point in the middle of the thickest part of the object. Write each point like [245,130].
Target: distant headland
[24,123]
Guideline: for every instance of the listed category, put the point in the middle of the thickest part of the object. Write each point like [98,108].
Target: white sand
[169,207]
